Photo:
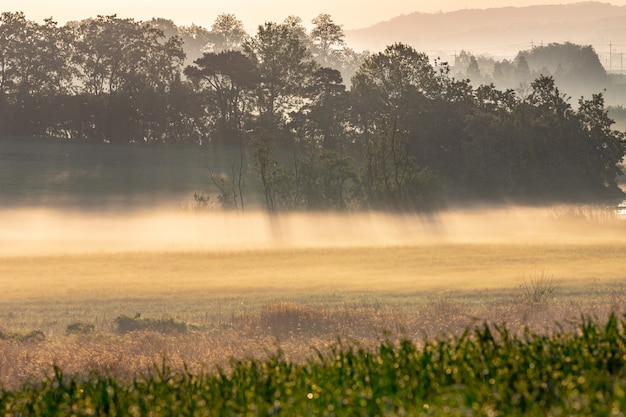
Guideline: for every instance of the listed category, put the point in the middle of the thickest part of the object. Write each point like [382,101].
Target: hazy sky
[352,14]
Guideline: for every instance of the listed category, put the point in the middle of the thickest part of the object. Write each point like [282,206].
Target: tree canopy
[401,133]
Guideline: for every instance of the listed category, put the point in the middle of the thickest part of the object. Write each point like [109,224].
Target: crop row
[486,371]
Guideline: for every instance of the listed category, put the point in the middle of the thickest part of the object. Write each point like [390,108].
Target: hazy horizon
[253,13]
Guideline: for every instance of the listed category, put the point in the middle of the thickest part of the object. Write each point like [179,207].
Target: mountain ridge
[493,30]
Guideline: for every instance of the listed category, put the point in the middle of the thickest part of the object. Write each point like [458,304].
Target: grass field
[200,289]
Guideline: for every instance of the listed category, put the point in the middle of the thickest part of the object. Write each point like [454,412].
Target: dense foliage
[404,135]
[484,372]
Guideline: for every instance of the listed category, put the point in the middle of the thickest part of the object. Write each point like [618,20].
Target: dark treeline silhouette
[405,135]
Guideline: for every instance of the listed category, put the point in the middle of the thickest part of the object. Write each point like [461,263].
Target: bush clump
[284,319]
[80,328]
[126,324]
[34,336]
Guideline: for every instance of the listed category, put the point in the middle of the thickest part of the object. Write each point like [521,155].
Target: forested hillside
[499,31]
[576,69]
[406,134]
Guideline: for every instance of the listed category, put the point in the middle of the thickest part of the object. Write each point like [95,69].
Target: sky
[352,14]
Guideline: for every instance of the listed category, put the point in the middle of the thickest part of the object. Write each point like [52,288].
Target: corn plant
[486,371]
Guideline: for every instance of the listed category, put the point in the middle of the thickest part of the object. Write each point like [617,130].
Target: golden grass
[284,271]
[297,327]
[249,302]
[302,293]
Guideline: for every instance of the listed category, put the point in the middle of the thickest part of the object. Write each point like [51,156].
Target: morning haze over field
[312,208]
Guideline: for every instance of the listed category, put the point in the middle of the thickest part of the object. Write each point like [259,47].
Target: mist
[36,231]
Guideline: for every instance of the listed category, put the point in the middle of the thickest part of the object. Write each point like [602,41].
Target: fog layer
[36,231]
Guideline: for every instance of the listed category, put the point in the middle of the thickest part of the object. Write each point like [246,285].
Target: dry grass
[145,275]
[298,326]
[248,302]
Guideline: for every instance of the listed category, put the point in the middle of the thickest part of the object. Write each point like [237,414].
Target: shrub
[284,318]
[201,202]
[126,324]
[539,289]
[80,328]
[35,336]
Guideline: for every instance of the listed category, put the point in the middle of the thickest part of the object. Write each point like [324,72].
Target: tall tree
[115,54]
[606,147]
[552,145]
[227,78]
[34,69]
[389,91]
[284,65]
[473,71]
[326,175]
[227,33]
[327,36]
[322,121]
[124,66]
[196,41]
[488,155]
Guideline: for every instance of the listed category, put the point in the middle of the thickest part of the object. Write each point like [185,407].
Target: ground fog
[202,287]
[43,232]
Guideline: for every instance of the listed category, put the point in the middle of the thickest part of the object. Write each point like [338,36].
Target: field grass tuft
[539,289]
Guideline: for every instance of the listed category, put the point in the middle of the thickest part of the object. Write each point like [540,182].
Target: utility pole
[610,56]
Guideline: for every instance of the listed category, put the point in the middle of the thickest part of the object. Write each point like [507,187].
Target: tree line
[576,69]
[406,133]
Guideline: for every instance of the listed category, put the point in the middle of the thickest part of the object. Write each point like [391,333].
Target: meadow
[120,293]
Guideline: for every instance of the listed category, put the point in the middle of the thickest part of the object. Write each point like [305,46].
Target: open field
[207,287]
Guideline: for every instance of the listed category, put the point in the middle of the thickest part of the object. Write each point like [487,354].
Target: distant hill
[501,32]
